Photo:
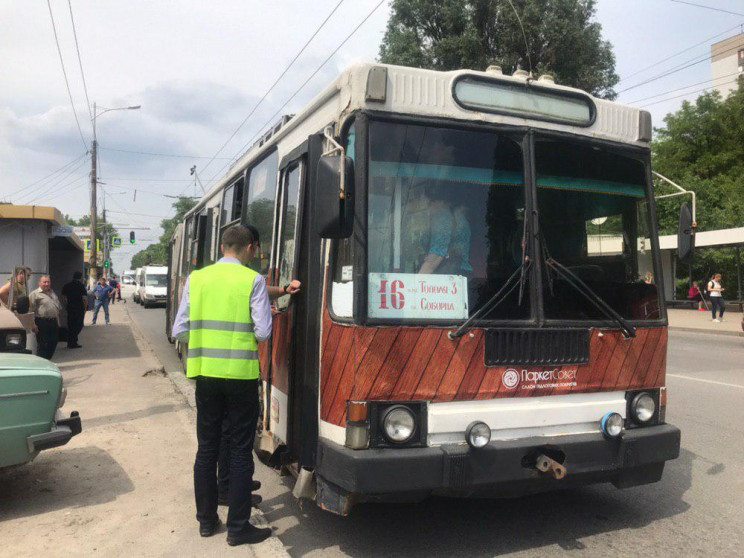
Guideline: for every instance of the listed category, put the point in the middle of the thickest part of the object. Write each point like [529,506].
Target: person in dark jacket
[75,299]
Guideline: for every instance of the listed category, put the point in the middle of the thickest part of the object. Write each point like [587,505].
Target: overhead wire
[689,93]
[684,87]
[297,91]
[704,42]
[270,89]
[17,192]
[64,72]
[160,154]
[682,66]
[80,61]
[707,7]
[43,189]
[60,187]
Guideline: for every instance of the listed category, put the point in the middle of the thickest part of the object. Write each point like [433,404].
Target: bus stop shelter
[38,237]
[721,238]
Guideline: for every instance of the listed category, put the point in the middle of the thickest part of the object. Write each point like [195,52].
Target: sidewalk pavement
[693,320]
[124,486]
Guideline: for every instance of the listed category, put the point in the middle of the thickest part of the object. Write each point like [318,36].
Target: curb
[270,548]
[709,331]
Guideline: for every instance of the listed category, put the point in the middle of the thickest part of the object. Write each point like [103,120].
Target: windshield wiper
[575,281]
[494,301]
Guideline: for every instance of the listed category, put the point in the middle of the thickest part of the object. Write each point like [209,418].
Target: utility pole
[93,207]
[94,194]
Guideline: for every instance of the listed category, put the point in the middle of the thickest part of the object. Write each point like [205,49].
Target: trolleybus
[476,317]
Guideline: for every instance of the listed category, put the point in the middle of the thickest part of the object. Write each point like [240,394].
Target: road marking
[705,381]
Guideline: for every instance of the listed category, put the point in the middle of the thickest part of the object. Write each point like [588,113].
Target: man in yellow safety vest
[224,314]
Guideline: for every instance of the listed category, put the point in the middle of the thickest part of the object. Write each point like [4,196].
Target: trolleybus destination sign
[418,296]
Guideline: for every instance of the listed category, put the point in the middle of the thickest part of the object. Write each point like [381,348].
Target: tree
[563,38]
[702,148]
[158,253]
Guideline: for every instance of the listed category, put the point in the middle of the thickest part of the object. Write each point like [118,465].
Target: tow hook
[550,466]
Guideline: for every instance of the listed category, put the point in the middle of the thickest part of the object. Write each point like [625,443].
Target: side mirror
[334,197]
[686,236]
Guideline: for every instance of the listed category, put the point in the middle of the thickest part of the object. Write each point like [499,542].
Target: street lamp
[93,192]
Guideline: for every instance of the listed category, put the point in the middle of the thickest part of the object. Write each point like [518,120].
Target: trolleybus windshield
[594,218]
[445,222]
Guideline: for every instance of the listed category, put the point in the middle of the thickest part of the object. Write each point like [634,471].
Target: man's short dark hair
[236,238]
[77,275]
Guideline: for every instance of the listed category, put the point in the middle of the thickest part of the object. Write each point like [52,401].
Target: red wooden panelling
[410,363]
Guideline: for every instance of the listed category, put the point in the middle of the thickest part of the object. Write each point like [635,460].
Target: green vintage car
[31,399]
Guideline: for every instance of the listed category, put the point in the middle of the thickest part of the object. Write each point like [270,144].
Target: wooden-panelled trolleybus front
[479,314]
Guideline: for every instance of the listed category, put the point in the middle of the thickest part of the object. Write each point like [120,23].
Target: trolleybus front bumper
[502,468]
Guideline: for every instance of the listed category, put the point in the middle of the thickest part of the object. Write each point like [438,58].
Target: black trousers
[223,462]
[216,397]
[47,337]
[717,303]
[74,324]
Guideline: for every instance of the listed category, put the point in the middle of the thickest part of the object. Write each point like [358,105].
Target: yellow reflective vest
[221,339]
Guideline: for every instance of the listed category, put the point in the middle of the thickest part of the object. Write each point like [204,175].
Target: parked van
[137,283]
[153,287]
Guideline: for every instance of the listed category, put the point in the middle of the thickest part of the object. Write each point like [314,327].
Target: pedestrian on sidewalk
[75,299]
[46,307]
[716,298]
[103,296]
[224,315]
[23,274]
[114,284]
[695,295]
[223,463]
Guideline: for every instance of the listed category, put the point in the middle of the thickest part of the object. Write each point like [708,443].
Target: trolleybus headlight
[478,435]
[612,425]
[398,424]
[643,407]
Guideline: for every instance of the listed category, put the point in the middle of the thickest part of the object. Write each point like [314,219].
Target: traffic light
[107,264]
[131,237]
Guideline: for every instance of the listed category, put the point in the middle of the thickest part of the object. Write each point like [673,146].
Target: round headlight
[478,435]
[399,425]
[643,407]
[612,425]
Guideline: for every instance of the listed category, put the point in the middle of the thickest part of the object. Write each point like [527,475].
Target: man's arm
[181,323]
[276,291]
[260,309]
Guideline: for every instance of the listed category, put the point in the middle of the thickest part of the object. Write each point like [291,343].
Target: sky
[199,68]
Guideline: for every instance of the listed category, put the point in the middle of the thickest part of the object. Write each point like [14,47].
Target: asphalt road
[696,509]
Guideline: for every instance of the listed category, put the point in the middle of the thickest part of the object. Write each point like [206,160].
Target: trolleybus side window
[186,262]
[342,291]
[227,205]
[445,222]
[288,237]
[259,207]
[594,217]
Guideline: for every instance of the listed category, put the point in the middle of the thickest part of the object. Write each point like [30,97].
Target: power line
[678,53]
[149,179]
[333,53]
[681,88]
[46,192]
[138,214]
[47,176]
[678,68]
[690,93]
[44,189]
[161,154]
[286,69]
[707,7]
[80,61]
[64,72]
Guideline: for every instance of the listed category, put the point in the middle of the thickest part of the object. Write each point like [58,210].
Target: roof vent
[495,70]
[546,78]
[524,74]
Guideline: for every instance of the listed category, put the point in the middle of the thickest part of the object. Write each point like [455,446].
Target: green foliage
[158,253]
[702,149]
[563,37]
[84,221]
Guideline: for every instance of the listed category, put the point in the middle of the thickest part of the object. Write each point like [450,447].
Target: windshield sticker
[418,296]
